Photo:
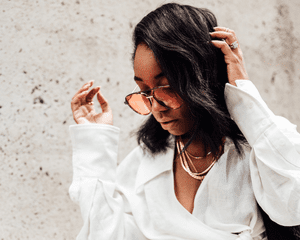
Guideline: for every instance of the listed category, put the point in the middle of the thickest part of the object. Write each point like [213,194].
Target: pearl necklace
[185,156]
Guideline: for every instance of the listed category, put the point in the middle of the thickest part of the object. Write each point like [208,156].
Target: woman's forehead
[145,61]
[143,51]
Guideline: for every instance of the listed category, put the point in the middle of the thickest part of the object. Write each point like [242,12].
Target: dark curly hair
[179,37]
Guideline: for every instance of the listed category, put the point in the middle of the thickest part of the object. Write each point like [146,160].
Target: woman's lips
[167,124]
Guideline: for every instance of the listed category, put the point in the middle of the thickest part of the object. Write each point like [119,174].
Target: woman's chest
[185,187]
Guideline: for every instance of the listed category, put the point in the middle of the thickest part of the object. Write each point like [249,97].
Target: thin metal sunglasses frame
[148,97]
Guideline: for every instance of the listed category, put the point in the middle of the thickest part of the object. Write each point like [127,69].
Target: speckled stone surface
[50,48]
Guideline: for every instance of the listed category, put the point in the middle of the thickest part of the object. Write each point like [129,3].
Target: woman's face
[147,76]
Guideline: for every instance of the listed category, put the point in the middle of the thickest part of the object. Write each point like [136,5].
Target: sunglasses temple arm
[134,88]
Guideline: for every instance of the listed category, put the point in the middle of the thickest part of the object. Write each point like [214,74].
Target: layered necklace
[186,157]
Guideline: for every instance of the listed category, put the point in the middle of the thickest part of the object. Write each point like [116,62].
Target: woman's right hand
[83,107]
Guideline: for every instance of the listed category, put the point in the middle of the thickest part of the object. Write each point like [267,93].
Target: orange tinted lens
[139,103]
[169,97]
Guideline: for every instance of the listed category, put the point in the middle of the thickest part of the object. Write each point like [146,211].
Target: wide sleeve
[94,187]
[275,153]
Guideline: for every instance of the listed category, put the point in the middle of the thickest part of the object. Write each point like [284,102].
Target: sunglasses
[141,102]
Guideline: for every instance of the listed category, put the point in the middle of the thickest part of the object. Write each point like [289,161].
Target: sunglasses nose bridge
[157,105]
[161,103]
[149,97]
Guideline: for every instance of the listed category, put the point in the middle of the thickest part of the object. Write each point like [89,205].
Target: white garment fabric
[136,200]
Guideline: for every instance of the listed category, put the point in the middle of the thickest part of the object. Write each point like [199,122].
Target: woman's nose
[156,107]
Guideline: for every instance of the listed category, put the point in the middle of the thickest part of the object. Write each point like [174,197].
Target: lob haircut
[179,37]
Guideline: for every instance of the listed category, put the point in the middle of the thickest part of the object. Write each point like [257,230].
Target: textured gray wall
[50,48]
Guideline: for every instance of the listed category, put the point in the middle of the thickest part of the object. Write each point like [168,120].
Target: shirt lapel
[151,167]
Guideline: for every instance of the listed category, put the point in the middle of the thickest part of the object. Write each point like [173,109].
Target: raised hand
[83,107]
[233,55]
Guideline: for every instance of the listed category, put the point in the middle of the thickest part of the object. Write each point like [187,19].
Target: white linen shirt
[136,200]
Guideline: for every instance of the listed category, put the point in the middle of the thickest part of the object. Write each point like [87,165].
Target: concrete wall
[49,48]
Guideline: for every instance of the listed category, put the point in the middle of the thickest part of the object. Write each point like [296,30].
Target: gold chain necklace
[184,157]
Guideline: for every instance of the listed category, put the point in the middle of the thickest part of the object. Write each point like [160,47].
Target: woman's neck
[196,147]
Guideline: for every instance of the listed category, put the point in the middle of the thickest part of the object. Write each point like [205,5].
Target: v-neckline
[169,212]
[201,186]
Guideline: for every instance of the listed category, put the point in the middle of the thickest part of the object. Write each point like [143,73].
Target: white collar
[151,167]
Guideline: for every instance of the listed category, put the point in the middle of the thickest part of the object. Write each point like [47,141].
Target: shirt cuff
[95,150]
[247,109]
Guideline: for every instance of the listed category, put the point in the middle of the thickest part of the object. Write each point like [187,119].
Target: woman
[204,165]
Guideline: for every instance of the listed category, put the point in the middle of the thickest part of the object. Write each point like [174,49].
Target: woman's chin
[175,128]
[174,131]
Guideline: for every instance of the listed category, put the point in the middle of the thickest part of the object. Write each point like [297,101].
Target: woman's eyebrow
[156,77]
[159,75]
[137,78]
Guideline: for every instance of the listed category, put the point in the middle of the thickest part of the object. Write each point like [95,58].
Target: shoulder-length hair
[179,37]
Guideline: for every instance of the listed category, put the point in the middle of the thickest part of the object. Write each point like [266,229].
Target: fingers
[78,100]
[225,33]
[79,97]
[84,95]
[89,97]
[103,102]
[223,46]
[233,55]
[85,87]
[229,38]
[224,29]
[84,98]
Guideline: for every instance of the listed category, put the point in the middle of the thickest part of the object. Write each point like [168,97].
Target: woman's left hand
[232,53]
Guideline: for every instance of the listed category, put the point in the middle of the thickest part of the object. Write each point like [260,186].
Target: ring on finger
[234,45]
